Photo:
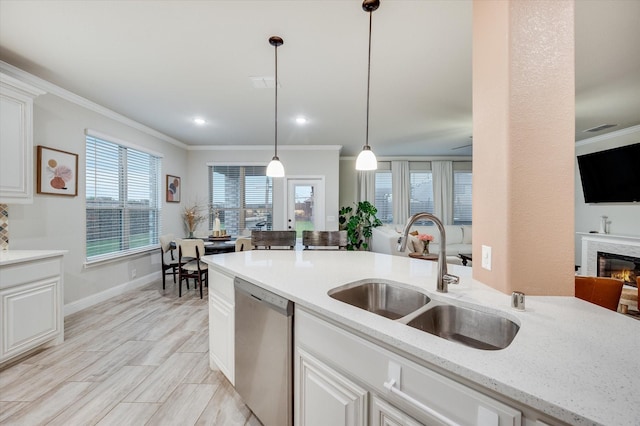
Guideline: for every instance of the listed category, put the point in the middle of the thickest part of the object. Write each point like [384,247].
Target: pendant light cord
[366,141]
[276,118]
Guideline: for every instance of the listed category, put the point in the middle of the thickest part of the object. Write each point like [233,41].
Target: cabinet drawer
[373,365]
[222,285]
[26,272]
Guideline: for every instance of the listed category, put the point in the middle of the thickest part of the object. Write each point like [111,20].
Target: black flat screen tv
[611,176]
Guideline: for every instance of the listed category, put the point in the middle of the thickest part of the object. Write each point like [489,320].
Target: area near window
[122,199]
[421,197]
[242,197]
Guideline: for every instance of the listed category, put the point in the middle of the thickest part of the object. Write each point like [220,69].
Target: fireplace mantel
[618,244]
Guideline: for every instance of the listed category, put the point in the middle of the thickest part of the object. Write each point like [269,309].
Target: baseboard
[94,299]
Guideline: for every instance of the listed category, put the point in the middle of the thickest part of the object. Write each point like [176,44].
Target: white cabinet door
[221,335]
[385,414]
[222,323]
[16,140]
[326,397]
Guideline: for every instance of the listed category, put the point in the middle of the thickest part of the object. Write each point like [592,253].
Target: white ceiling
[162,63]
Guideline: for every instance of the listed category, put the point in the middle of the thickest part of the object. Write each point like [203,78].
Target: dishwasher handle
[260,295]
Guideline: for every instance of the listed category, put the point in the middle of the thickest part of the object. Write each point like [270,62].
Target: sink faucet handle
[451,279]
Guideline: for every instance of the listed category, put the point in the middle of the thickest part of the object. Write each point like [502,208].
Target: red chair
[602,291]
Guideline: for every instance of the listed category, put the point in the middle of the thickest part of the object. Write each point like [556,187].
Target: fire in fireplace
[622,267]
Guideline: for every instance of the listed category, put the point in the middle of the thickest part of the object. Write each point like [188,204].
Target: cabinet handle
[391,387]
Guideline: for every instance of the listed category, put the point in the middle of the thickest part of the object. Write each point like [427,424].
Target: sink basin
[385,299]
[469,327]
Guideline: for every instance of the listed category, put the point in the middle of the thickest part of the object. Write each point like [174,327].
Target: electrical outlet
[486,257]
[133,273]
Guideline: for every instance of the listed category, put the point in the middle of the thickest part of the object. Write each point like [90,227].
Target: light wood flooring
[141,358]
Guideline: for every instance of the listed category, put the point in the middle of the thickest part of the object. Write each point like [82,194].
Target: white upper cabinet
[16,140]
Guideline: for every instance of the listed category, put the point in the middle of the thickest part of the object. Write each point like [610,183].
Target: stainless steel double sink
[470,327]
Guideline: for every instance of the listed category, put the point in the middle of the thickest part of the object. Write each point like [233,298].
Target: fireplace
[623,267]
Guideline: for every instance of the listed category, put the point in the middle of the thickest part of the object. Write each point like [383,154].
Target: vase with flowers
[426,239]
[192,216]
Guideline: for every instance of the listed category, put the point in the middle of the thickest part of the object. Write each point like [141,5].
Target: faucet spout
[444,278]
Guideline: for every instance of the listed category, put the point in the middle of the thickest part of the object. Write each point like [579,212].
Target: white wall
[299,161]
[624,217]
[55,222]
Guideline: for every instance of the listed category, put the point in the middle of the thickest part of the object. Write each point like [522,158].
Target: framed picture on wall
[57,172]
[173,189]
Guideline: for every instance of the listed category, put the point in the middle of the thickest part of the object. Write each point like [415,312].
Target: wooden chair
[194,268]
[169,264]
[602,291]
[268,239]
[316,239]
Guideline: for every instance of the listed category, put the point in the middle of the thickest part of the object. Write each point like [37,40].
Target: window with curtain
[122,200]
[384,199]
[462,197]
[421,198]
[242,196]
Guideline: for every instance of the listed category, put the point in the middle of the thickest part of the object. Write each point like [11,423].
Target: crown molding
[49,87]
[264,148]
[610,135]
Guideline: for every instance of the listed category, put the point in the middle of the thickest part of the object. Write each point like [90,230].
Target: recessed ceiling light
[301,120]
[200,121]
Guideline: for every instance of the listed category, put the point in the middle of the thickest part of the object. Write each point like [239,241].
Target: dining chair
[269,239]
[194,268]
[315,239]
[243,243]
[168,264]
[601,291]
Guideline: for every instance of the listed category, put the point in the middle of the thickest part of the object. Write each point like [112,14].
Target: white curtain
[401,190]
[366,190]
[443,190]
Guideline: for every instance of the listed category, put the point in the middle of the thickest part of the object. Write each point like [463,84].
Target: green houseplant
[359,224]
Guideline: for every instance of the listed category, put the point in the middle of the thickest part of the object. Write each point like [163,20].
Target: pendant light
[275,167]
[367,159]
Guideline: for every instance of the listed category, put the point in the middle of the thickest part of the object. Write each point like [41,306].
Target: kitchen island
[571,362]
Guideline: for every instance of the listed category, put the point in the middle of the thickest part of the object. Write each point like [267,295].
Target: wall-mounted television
[611,176]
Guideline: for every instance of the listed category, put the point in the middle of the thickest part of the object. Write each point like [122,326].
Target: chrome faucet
[444,279]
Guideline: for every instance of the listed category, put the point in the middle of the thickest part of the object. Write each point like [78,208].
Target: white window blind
[122,200]
[384,199]
[242,196]
[421,199]
[462,197]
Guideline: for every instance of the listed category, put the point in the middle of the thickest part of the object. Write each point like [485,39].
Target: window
[421,197]
[462,197]
[122,200]
[383,200]
[242,196]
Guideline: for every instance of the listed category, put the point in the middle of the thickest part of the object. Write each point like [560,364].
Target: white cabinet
[326,397]
[222,323]
[401,391]
[31,305]
[385,414]
[16,140]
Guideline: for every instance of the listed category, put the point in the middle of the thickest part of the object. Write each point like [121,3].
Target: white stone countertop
[8,257]
[571,359]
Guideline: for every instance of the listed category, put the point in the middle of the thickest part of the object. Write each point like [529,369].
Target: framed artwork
[173,189]
[57,172]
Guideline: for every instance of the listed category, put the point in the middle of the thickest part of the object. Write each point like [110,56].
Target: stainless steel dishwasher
[264,353]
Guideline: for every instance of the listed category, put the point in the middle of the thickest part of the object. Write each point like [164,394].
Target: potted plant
[359,224]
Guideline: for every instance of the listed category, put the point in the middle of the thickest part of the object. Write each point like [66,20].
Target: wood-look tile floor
[141,358]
